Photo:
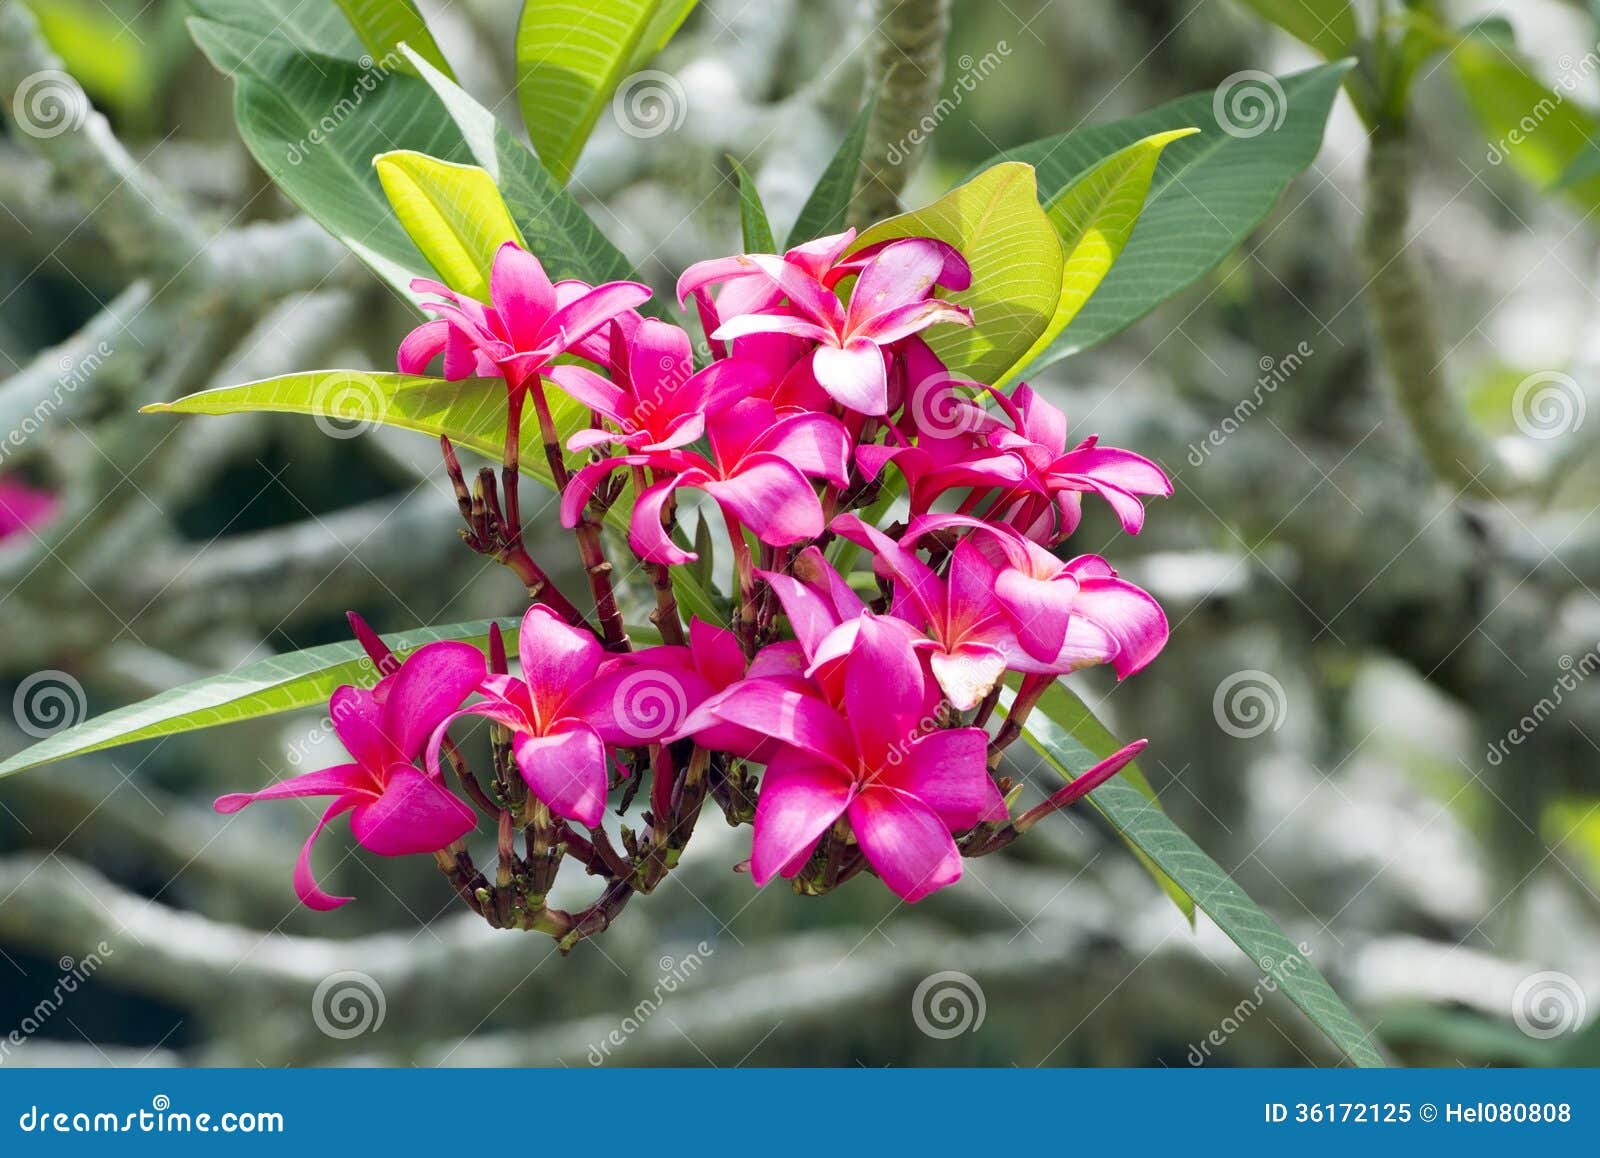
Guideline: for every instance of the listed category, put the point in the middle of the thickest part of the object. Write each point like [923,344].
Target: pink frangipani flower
[571,703]
[526,323]
[395,809]
[890,301]
[904,786]
[758,473]
[664,403]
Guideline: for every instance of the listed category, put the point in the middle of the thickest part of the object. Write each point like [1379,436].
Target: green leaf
[1216,893]
[281,684]
[1208,193]
[471,412]
[566,239]
[453,213]
[383,24]
[1329,26]
[669,17]
[1545,136]
[1016,259]
[315,122]
[319,28]
[753,223]
[571,57]
[1094,217]
[825,210]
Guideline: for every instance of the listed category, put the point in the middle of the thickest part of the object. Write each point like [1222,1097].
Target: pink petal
[949,772]
[905,841]
[578,319]
[743,325]
[1121,468]
[639,702]
[705,273]
[806,294]
[799,802]
[305,881]
[357,717]
[581,485]
[660,362]
[810,615]
[716,652]
[592,390]
[416,813]
[1129,615]
[772,498]
[421,346]
[791,717]
[1039,610]
[521,293]
[1041,422]
[912,319]
[567,771]
[883,690]
[853,376]
[647,535]
[556,659]
[340,780]
[817,445]
[430,686]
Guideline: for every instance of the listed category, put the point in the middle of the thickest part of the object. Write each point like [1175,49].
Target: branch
[904,69]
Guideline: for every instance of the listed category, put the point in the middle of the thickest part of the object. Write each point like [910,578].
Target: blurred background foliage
[1404,627]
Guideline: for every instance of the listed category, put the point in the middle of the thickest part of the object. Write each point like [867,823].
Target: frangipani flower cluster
[845,711]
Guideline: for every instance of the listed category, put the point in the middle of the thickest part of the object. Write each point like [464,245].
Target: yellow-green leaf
[384,25]
[453,212]
[996,222]
[1094,217]
[570,58]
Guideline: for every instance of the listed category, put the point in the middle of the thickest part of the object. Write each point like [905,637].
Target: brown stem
[666,617]
[1033,686]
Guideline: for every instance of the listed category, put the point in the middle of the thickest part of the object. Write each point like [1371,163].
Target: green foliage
[1329,26]
[827,207]
[753,226]
[383,25]
[1209,191]
[1216,893]
[571,57]
[1094,216]
[997,224]
[283,683]
[453,213]
[557,229]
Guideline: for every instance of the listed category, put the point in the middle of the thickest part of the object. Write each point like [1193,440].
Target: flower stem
[666,617]
[1033,686]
